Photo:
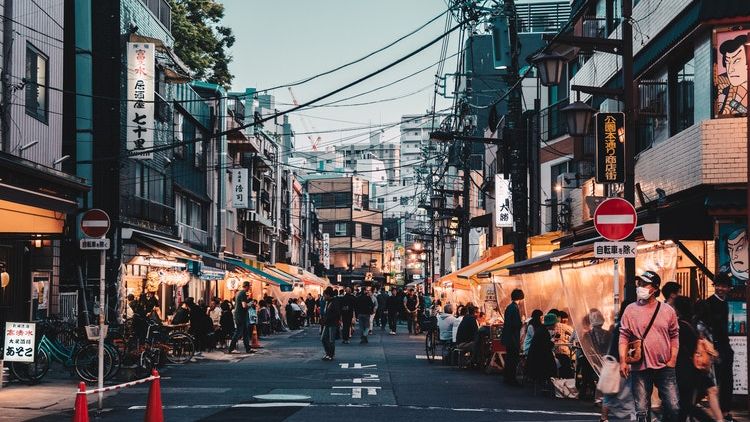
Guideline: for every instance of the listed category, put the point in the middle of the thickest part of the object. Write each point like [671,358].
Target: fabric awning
[282,275]
[544,262]
[284,285]
[486,265]
[306,276]
[183,251]
[471,269]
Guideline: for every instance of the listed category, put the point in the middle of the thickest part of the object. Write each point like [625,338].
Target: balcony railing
[552,121]
[543,17]
[594,27]
[144,209]
[162,11]
[234,242]
[192,235]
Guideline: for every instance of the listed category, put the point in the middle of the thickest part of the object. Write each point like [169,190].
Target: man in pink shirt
[660,345]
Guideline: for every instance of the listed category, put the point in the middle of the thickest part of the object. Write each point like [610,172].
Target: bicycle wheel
[116,361]
[32,373]
[86,362]
[179,348]
[430,346]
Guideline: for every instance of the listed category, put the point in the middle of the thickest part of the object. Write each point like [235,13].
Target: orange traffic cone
[255,344]
[154,408]
[81,410]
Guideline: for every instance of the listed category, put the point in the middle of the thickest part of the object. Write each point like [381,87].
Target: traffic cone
[154,408]
[81,410]
[255,343]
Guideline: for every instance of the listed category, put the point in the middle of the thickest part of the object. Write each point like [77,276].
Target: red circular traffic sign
[95,223]
[615,219]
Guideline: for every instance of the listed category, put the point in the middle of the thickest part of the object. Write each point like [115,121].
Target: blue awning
[284,285]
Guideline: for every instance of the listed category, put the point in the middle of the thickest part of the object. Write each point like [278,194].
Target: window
[181,209]
[653,110]
[196,214]
[149,183]
[179,121]
[682,96]
[37,74]
[199,156]
[405,200]
[366,231]
[341,229]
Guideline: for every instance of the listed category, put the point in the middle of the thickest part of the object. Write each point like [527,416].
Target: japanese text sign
[503,201]
[610,147]
[240,192]
[615,249]
[140,105]
[327,250]
[19,341]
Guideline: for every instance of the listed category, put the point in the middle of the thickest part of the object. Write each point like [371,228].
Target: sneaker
[346,341]
[393,333]
[326,357]
[369,333]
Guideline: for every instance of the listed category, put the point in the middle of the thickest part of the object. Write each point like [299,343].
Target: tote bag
[609,379]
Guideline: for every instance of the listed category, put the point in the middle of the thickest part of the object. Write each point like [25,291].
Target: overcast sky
[285,41]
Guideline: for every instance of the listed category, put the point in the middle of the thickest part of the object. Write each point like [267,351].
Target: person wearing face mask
[656,326]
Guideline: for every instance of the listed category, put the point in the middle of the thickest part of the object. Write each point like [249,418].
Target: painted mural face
[731,73]
[738,254]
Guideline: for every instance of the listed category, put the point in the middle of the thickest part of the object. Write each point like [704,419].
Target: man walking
[347,314]
[719,328]
[656,326]
[411,303]
[329,322]
[310,305]
[364,308]
[382,311]
[511,337]
[394,308]
[373,298]
[240,319]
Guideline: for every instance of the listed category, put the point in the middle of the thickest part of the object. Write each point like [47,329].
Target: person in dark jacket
[467,329]
[364,307]
[329,323]
[393,305]
[347,314]
[310,305]
[182,316]
[199,323]
[381,317]
[226,322]
[541,364]
[719,327]
[511,337]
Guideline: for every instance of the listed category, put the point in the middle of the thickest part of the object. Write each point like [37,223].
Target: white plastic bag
[609,379]
[565,388]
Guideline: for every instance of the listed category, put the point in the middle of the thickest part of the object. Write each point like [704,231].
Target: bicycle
[151,348]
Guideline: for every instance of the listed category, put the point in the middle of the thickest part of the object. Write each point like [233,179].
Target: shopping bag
[609,378]
[565,388]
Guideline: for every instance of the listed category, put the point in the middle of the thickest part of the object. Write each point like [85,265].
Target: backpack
[705,355]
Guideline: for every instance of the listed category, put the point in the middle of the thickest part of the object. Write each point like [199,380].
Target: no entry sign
[615,219]
[95,223]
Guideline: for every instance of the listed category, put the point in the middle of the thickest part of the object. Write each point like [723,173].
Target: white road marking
[272,404]
[357,390]
[424,357]
[281,397]
[356,366]
[367,378]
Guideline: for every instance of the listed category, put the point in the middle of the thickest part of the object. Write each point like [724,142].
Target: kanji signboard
[615,249]
[503,201]
[615,219]
[610,147]
[140,105]
[19,341]
[240,192]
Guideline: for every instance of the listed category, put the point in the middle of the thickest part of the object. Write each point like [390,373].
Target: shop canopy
[480,270]
[305,276]
[284,285]
[545,262]
[181,251]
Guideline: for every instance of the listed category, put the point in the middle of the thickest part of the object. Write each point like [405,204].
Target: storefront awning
[284,285]
[472,269]
[183,251]
[482,271]
[544,262]
[18,218]
[306,276]
[282,275]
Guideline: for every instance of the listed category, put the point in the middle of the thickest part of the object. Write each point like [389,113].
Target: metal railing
[552,121]
[193,235]
[543,17]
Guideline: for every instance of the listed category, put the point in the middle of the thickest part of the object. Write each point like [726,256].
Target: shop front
[310,283]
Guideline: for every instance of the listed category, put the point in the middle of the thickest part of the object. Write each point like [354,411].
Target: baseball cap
[651,278]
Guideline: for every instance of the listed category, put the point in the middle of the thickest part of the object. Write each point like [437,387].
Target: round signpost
[615,219]
[95,223]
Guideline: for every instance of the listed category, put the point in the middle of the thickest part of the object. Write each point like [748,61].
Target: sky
[279,42]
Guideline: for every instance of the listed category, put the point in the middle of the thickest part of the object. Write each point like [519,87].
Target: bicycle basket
[92,332]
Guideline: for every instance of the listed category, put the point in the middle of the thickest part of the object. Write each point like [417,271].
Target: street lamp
[578,116]
[437,202]
[550,68]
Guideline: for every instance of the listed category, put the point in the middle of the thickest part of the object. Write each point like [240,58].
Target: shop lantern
[578,116]
[550,68]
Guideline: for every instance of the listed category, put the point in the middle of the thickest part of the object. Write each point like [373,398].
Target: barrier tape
[119,386]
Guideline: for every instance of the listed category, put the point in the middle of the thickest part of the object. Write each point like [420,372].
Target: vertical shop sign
[326,251]
[239,188]
[140,105]
[503,201]
[610,147]
[730,72]
[19,341]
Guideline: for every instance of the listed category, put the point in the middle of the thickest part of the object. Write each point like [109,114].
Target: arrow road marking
[614,219]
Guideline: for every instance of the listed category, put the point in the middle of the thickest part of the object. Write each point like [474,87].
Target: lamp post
[550,68]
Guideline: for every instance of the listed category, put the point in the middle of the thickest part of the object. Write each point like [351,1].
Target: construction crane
[313,141]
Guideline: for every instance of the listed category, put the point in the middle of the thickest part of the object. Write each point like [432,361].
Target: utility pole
[631,115]
[5,74]
[465,206]
[306,237]
[277,211]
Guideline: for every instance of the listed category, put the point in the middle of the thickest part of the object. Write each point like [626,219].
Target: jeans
[392,320]
[241,330]
[411,319]
[364,325]
[643,385]
[328,337]
[346,329]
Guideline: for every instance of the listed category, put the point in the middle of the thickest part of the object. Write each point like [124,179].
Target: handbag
[635,347]
[609,378]
[705,355]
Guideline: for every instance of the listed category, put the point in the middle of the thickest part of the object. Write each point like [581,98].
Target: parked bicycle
[149,344]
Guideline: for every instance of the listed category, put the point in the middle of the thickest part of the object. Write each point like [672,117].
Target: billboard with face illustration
[733,252]
[730,72]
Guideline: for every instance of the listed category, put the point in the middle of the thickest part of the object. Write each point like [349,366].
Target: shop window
[37,75]
[682,95]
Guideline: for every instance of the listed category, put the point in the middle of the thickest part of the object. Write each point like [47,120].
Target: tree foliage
[200,41]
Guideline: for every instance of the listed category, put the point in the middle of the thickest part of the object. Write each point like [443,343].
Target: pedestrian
[240,319]
[373,298]
[511,337]
[347,314]
[226,323]
[719,327]
[670,291]
[310,305]
[329,323]
[649,342]
[382,312]
[364,308]
[411,305]
[394,306]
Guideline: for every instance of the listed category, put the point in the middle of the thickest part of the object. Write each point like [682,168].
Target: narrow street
[381,381]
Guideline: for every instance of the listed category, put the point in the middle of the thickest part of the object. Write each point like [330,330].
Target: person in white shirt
[214,312]
[446,323]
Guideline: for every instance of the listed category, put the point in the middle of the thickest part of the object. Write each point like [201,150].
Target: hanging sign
[614,250]
[19,341]
[140,121]
[240,194]
[327,250]
[610,147]
[503,198]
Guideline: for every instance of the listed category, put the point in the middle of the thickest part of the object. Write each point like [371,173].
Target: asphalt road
[380,381]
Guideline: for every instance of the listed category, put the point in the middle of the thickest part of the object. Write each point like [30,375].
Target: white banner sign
[19,341]
[326,251]
[89,244]
[739,345]
[615,249]
[140,116]
[240,193]
[503,202]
